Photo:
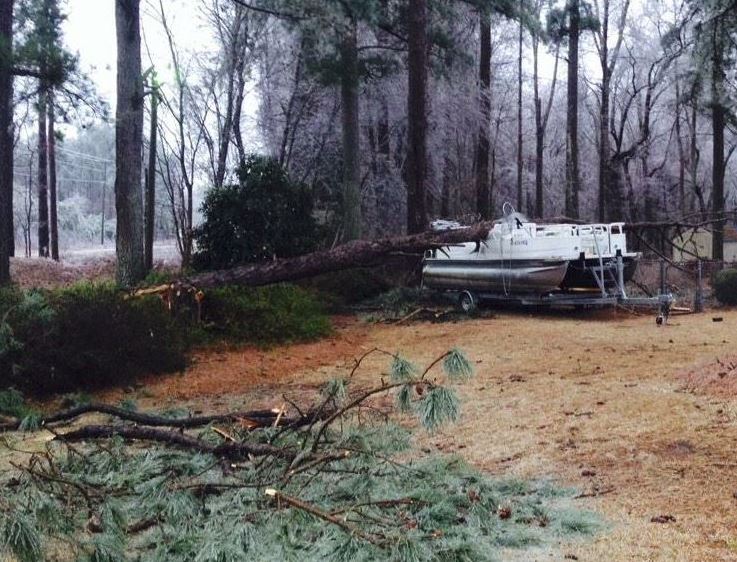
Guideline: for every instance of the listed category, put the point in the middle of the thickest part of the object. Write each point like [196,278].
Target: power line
[79,180]
[82,154]
[75,180]
[94,159]
[65,163]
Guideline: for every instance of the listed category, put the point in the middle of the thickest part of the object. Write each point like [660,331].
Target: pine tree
[569,23]
[7,239]
[329,41]
[541,116]
[128,143]
[41,49]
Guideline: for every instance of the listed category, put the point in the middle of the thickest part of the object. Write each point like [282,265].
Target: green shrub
[159,277]
[350,286]
[91,336]
[725,286]
[263,216]
[12,403]
[265,315]
[85,336]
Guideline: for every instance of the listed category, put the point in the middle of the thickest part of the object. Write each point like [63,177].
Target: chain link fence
[688,281]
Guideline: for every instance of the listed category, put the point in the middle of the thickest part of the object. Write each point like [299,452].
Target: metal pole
[699,296]
[620,276]
[662,277]
[104,184]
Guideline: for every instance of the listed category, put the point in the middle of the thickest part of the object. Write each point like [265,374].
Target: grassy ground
[597,401]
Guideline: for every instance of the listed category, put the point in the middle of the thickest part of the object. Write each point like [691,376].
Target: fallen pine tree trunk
[351,254]
[359,253]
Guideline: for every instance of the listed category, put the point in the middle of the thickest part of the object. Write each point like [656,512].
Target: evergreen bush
[85,336]
[725,286]
[348,287]
[263,315]
[90,336]
[265,215]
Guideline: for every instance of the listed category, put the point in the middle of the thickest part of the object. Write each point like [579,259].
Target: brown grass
[48,274]
[597,401]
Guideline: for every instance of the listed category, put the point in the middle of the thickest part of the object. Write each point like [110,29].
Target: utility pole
[104,185]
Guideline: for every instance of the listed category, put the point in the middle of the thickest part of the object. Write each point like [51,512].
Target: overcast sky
[90,32]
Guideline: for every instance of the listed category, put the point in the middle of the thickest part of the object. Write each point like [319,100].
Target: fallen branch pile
[317,483]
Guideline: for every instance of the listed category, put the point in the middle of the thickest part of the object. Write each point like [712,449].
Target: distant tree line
[393,112]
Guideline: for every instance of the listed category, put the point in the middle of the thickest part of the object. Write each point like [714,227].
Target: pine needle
[456,366]
[438,407]
[20,536]
[402,370]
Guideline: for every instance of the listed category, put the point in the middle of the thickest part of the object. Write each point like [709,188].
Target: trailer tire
[467,302]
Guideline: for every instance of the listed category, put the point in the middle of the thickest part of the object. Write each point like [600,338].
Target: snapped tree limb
[258,418]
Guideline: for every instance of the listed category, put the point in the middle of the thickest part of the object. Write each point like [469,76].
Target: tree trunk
[604,145]
[417,117]
[718,123]
[605,195]
[128,141]
[693,159]
[447,187]
[351,150]
[7,238]
[351,254]
[382,129]
[520,200]
[53,207]
[541,122]
[150,194]
[483,201]
[189,232]
[539,133]
[43,183]
[681,151]
[572,172]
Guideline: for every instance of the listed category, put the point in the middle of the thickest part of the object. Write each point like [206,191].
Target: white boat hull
[517,276]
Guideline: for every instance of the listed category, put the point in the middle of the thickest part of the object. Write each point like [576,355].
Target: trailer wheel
[467,302]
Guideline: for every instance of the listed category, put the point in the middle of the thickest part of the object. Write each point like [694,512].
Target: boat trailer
[611,292]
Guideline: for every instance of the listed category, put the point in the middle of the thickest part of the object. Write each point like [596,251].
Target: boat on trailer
[523,257]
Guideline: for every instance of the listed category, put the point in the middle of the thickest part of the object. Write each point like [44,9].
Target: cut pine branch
[256,418]
[320,514]
[228,450]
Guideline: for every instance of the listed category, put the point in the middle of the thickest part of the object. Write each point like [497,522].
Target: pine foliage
[355,491]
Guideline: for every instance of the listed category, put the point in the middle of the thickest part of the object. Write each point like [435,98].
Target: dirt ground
[605,402]
[639,418]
